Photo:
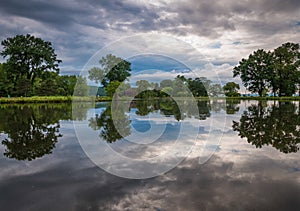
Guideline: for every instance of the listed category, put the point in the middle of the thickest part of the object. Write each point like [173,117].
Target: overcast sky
[223,31]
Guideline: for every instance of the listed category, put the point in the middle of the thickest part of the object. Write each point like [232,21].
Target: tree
[31,131]
[146,89]
[255,71]
[47,85]
[198,86]
[231,89]
[276,126]
[286,63]
[167,91]
[180,86]
[28,58]
[113,69]
[6,84]
[232,106]
[112,127]
[166,83]
[81,88]
[67,82]
[215,90]
[111,88]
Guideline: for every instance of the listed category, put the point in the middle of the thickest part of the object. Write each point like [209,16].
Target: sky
[223,32]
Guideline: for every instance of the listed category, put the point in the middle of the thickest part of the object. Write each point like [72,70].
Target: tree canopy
[28,57]
[231,89]
[113,69]
[254,71]
[286,63]
[276,70]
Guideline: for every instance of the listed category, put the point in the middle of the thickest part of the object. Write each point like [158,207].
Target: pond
[150,155]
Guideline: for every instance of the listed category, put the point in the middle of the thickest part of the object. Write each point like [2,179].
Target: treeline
[45,84]
[274,71]
[32,69]
[179,87]
[115,71]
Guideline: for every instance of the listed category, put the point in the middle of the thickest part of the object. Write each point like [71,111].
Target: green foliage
[277,70]
[46,99]
[32,69]
[215,90]
[167,91]
[232,106]
[286,63]
[6,84]
[113,69]
[180,86]
[33,129]
[81,88]
[198,86]
[96,74]
[166,83]
[147,90]
[255,71]
[142,85]
[111,88]
[112,127]
[28,58]
[67,83]
[276,126]
[231,89]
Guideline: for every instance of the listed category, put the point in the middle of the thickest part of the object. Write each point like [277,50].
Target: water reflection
[32,131]
[113,129]
[107,124]
[276,125]
[232,106]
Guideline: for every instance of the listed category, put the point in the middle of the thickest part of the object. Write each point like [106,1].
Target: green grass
[69,99]
[46,99]
[291,98]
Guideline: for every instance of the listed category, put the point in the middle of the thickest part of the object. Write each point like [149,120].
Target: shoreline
[69,99]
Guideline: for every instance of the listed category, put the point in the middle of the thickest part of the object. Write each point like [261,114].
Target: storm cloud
[78,29]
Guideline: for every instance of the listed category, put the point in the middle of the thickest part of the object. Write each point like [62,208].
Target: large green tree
[81,88]
[113,68]
[199,86]
[231,89]
[27,58]
[145,89]
[6,84]
[286,63]
[276,70]
[254,71]
[166,83]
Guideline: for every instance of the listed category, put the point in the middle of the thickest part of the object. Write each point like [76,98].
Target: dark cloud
[81,25]
[54,13]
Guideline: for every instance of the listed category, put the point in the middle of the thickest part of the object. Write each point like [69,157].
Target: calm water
[246,156]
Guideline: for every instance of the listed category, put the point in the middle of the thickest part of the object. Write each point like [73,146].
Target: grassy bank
[45,99]
[69,99]
[266,98]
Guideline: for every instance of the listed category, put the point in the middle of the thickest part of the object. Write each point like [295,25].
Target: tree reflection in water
[106,123]
[117,129]
[232,106]
[33,130]
[277,125]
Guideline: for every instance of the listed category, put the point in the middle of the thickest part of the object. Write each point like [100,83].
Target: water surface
[255,166]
